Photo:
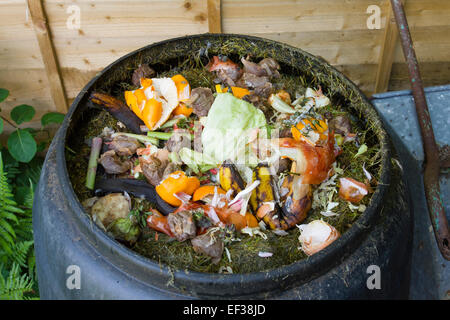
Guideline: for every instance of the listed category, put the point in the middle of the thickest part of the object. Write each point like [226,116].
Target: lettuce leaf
[197,161]
[228,127]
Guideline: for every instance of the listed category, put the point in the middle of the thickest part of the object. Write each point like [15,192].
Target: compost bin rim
[331,254]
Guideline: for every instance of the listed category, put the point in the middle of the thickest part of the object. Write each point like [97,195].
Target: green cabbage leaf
[228,129]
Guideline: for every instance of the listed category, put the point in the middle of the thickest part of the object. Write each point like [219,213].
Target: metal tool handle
[432,161]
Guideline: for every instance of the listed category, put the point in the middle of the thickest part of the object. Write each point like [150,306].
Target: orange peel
[174,183]
[183,88]
[183,109]
[204,191]
[317,125]
[152,112]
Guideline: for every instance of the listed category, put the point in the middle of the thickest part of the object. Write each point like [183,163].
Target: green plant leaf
[8,160]
[21,145]
[361,150]
[52,117]
[32,131]
[1,125]
[3,94]
[29,171]
[22,113]
[41,146]
[21,194]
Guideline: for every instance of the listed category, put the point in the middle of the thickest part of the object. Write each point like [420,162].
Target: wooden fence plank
[214,16]
[48,54]
[333,29]
[387,52]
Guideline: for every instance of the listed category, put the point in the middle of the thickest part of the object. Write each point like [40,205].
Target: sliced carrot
[220,90]
[204,191]
[239,92]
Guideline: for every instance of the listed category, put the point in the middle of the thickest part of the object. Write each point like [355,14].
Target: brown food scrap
[110,208]
[153,169]
[118,110]
[261,85]
[271,67]
[340,125]
[182,225]
[284,165]
[180,139]
[253,68]
[254,99]
[171,167]
[89,203]
[249,80]
[198,129]
[201,101]
[209,244]
[143,71]
[226,70]
[267,67]
[124,146]
[113,164]
[264,90]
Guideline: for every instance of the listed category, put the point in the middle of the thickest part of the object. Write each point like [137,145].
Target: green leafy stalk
[139,137]
[93,160]
[171,122]
[159,135]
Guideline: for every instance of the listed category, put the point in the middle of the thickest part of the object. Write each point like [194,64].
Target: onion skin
[313,162]
[309,248]
[158,222]
[352,190]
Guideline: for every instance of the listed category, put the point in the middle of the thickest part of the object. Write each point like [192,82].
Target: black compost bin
[69,247]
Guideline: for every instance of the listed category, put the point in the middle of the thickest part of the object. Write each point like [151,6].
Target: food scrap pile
[217,171]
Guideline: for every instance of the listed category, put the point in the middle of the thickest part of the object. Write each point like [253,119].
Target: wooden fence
[45,59]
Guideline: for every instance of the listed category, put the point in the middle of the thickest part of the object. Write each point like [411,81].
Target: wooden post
[214,16]
[387,51]
[47,49]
